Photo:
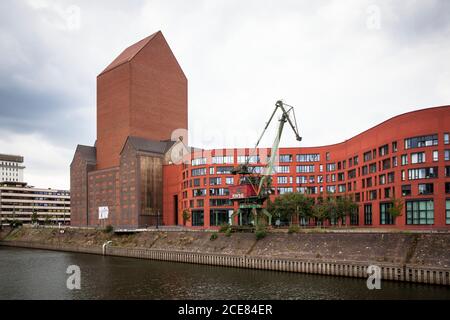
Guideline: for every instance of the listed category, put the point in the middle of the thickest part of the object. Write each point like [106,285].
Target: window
[384,150]
[354,217]
[284,190]
[447,187]
[249,159]
[331,167]
[331,189]
[219,202]
[229,180]
[197,218]
[356,160]
[391,177]
[382,179]
[351,174]
[394,146]
[211,170]
[224,170]
[286,158]
[423,141]
[423,173]
[418,157]
[219,192]
[222,160]
[373,168]
[282,169]
[386,164]
[301,179]
[406,190]
[321,168]
[368,214]
[385,216]
[426,188]
[447,171]
[218,217]
[315,157]
[367,156]
[198,162]
[404,159]
[394,161]
[447,211]
[282,180]
[446,138]
[327,156]
[199,192]
[301,169]
[341,188]
[435,155]
[198,172]
[387,193]
[447,155]
[420,212]
[373,195]
[214,181]
[365,170]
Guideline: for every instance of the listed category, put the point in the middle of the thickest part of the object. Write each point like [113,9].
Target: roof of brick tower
[129,53]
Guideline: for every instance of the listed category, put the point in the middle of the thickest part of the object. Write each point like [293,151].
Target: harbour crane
[255,186]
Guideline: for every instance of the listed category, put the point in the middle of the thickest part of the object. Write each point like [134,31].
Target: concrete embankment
[412,257]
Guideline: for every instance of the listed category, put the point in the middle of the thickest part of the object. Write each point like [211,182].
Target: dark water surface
[38,274]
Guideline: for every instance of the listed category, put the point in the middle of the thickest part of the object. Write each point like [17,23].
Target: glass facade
[420,212]
[198,218]
[385,216]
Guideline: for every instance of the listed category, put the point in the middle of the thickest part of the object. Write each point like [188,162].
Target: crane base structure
[256,187]
[257,213]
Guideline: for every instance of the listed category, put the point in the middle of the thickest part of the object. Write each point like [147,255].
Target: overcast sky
[344,65]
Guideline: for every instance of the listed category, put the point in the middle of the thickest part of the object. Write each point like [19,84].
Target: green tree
[397,208]
[34,217]
[291,205]
[345,206]
[321,210]
[186,216]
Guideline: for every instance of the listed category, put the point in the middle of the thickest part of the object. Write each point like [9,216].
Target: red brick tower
[141,100]
[142,93]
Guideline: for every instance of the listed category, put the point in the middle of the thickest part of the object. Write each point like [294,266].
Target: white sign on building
[103,213]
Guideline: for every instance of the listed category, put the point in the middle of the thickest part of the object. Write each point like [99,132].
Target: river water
[39,274]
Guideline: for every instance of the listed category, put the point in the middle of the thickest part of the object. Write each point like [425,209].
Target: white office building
[26,204]
[11,168]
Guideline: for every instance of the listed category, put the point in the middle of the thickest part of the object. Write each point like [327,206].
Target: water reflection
[36,274]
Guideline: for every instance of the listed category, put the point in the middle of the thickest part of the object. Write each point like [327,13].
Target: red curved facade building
[406,157]
[128,178]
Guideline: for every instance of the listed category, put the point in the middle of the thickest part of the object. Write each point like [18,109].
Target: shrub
[214,236]
[294,229]
[109,228]
[260,234]
[228,232]
[224,227]
[15,224]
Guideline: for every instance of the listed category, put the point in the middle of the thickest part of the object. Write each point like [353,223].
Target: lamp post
[157,219]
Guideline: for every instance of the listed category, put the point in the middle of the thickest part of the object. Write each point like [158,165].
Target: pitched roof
[141,144]
[87,153]
[129,53]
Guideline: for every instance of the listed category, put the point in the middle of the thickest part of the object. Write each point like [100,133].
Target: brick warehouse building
[142,98]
